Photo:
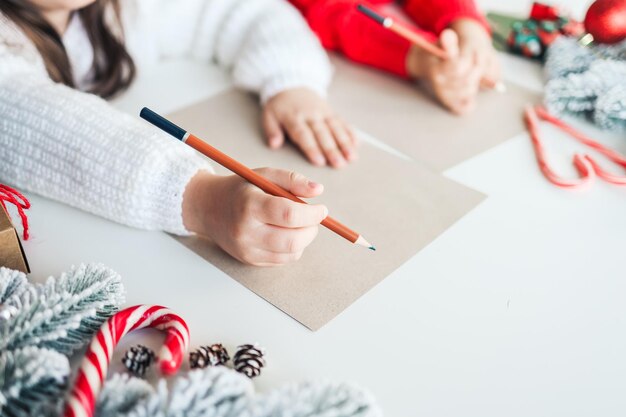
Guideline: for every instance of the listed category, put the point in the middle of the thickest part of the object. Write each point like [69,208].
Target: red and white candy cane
[587,166]
[93,369]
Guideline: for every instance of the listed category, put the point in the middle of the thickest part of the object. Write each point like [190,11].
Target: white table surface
[516,310]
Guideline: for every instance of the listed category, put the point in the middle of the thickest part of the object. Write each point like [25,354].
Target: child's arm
[75,148]
[269,50]
[436,15]
[342,28]
[455,82]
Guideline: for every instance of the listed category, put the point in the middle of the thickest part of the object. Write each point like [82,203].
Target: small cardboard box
[11,251]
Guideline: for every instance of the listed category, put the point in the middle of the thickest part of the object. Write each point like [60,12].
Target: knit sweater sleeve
[75,148]
[265,44]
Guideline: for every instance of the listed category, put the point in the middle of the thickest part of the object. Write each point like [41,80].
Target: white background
[517,310]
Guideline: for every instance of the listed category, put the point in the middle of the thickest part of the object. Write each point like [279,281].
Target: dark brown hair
[113,68]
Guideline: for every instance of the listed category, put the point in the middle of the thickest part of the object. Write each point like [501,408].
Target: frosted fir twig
[32,382]
[64,313]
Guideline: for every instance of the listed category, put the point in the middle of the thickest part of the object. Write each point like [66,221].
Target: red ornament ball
[606,20]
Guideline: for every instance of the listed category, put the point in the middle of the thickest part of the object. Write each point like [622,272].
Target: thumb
[449,41]
[293,182]
[273,132]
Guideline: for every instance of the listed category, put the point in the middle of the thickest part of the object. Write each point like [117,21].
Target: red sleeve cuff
[358,37]
[446,20]
[374,45]
[436,15]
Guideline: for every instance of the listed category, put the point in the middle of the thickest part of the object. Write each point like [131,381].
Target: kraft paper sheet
[406,118]
[398,205]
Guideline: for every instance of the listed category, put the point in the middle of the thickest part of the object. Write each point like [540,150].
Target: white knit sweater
[74,147]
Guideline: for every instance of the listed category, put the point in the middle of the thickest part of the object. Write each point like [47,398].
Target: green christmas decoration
[531,36]
[316,399]
[12,285]
[40,324]
[62,314]
[212,391]
[587,81]
[32,382]
[222,392]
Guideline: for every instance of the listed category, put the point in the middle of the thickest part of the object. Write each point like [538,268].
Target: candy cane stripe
[93,369]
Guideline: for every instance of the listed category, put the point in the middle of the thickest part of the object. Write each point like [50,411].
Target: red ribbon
[11,195]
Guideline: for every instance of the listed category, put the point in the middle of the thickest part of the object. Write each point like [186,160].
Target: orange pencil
[245,172]
[416,39]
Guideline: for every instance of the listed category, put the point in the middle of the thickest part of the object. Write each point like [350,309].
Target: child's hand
[475,42]
[252,226]
[472,62]
[309,122]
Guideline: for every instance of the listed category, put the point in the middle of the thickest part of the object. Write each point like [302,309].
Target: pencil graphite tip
[361,241]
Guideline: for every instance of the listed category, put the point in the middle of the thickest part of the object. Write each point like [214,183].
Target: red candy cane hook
[582,164]
[11,195]
[611,154]
[93,368]
[585,164]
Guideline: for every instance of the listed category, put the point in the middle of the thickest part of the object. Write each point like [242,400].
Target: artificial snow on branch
[214,391]
[222,392]
[62,314]
[32,382]
[587,81]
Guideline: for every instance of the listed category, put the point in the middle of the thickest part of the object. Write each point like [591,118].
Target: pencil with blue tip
[245,172]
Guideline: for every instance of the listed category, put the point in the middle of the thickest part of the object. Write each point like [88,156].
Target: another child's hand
[476,44]
[471,63]
[309,122]
[252,226]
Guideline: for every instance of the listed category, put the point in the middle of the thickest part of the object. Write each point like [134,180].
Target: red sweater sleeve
[341,27]
[435,15]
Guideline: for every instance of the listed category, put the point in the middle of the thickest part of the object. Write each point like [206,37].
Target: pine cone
[249,360]
[204,356]
[138,359]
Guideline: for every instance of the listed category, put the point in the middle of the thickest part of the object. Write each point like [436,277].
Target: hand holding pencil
[252,226]
[255,215]
[455,81]
[455,66]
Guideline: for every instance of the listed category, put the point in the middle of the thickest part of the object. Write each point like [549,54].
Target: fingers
[260,257]
[327,142]
[282,212]
[491,74]
[303,137]
[279,246]
[323,141]
[293,182]
[273,132]
[345,137]
[458,91]
[459,78]
[449,41]
[290,241]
